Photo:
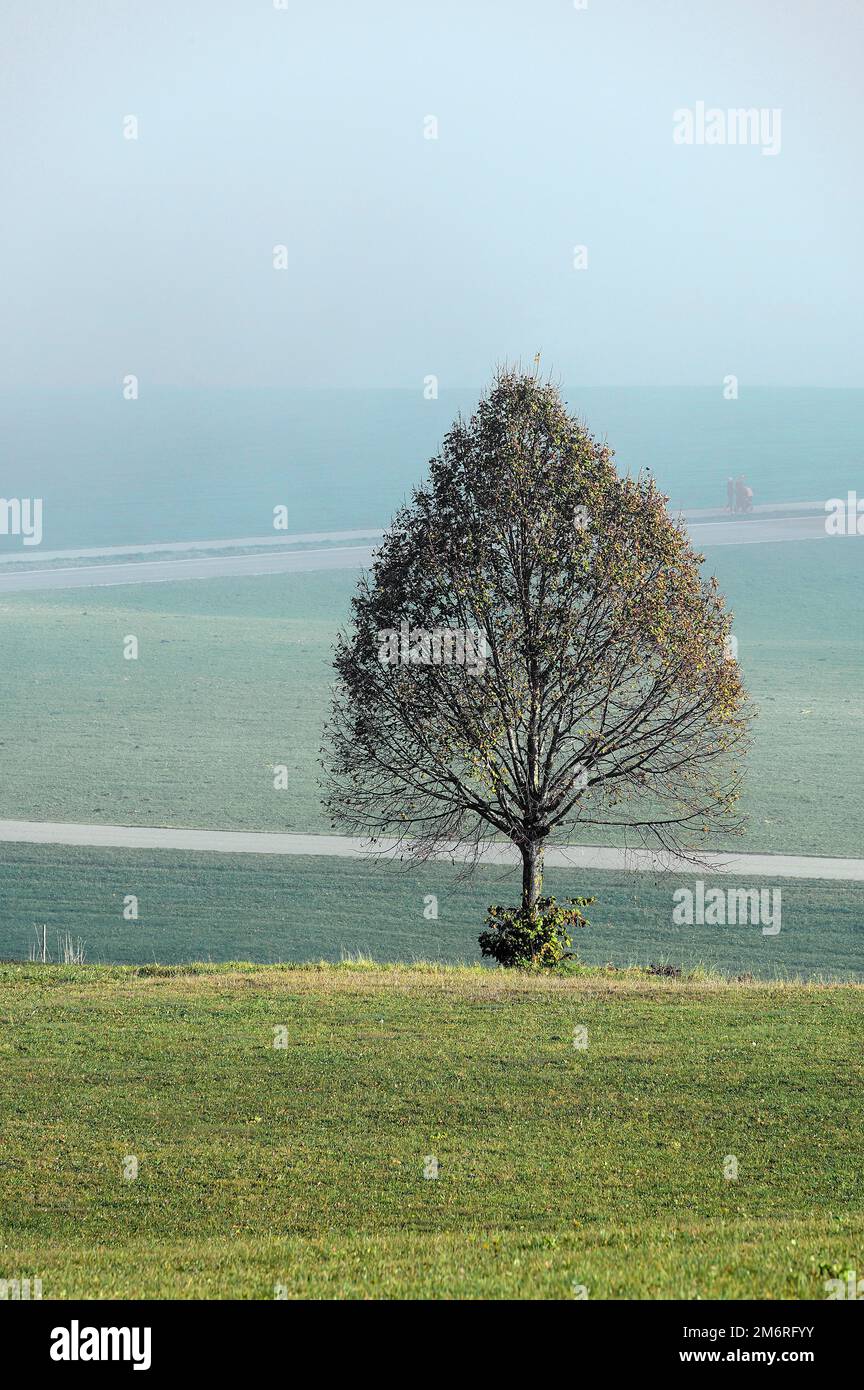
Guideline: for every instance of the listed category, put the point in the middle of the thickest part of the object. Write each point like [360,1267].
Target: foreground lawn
[303,1166]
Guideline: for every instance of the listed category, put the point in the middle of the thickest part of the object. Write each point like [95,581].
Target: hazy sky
[304,126]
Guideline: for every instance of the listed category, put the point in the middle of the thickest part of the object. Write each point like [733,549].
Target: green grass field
[266,908]
[303,1166]
[233,678]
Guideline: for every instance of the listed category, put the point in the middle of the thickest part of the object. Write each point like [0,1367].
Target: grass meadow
[302,1166]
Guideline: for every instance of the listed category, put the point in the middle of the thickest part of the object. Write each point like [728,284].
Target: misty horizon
[273,197]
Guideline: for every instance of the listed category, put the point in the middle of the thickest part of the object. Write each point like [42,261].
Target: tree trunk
[532,874]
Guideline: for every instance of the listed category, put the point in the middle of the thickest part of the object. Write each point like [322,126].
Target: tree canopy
[534,650]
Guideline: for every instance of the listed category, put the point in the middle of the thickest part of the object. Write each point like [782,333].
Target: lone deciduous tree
[600,691]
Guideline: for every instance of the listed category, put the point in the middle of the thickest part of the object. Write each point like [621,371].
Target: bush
[538,940]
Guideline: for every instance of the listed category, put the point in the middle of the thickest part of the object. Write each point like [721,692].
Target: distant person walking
[743,495]
[730,493]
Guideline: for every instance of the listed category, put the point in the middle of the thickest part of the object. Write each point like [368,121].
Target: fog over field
[263,257]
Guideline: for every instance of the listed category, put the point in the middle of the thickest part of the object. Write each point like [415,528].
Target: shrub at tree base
[538,939]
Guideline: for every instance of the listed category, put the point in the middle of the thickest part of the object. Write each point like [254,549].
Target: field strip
[342,846]
[728,532]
